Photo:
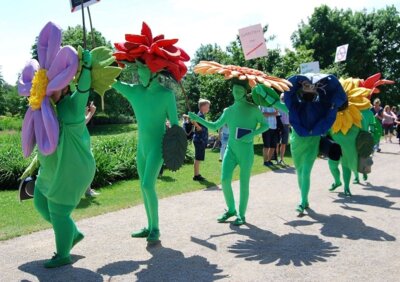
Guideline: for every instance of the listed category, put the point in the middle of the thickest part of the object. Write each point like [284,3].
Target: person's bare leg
[196,167]
[283,151]
[270,153]
[265,154]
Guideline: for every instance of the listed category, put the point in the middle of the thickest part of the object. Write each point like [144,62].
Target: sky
[194,22]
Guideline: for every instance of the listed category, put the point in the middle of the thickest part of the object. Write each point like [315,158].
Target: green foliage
[115,159]
[373,38]
[12,162]
[10,123]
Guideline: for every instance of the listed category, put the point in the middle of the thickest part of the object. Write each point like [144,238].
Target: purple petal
[48,44]
[50,123]
[25,81]
[28,133]
[62,70]
[41,135]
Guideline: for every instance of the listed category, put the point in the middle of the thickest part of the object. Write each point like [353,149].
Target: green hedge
[115,157]
[10,123]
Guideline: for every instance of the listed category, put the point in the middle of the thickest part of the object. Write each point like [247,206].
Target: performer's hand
[92,108]
[87,59]
[193,116]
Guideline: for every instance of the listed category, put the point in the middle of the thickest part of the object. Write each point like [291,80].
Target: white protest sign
[253,42]
[312,67]
[341,53]
[76,4]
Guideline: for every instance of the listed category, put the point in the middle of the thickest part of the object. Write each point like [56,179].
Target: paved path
[342,239]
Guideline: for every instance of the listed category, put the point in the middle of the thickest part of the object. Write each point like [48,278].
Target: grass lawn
[17,219]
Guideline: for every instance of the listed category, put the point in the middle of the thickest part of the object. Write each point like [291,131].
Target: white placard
[341,53]
[311,67]
[76,4]
[253,42]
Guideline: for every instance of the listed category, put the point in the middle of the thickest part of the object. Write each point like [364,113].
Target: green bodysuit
[242,115]
[65,175]
[349,159]
[153,104]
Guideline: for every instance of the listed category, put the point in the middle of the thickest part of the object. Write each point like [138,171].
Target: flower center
[38,90]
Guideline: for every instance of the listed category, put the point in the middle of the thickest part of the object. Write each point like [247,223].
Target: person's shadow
[292,248]
[341,226]
[390,192]
[64,273]
[166,265]
[366,200]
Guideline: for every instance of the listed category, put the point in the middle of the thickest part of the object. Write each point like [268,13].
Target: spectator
[388,122]
[398,126]
[269,136]
[283,135]
[378,113]
[200,139]
[188,127]
[90,110]
[223,137]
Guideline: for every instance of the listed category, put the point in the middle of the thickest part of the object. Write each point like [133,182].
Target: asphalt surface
[341,238]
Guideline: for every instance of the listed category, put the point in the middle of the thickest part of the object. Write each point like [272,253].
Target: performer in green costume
[312,102]
[242,115]
[55,121]
[244,120]
[153,104]
[354,118]
[65,175]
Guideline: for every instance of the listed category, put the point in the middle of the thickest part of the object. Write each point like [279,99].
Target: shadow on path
[166,265]
[366,200]
[64,273]
[341,226]
[391,192]
[292,248]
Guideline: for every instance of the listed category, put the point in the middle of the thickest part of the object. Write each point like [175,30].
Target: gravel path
[341,239]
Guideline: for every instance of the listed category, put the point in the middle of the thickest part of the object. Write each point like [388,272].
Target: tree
[373,38]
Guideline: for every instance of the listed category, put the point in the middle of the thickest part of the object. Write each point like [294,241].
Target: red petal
[165,42]
[136,38]
[158,37]
[138,50]
[184,56]
[370,81]
[146,31]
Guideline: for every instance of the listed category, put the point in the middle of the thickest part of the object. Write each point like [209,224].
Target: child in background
[200,139]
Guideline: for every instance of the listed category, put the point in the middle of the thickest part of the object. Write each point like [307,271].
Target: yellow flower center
[38,90]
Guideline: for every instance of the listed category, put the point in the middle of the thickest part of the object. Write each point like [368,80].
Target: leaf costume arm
[171,110]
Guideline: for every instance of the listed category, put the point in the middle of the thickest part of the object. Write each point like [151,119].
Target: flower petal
[62,69]
[45,136]
[48,44]
[51,125]
[28,133]
[25,81]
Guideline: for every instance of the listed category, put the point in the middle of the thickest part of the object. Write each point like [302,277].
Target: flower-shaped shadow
[266,247]
[39,80]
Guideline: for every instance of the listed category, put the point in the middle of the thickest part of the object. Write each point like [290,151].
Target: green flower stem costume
[65,175]
[241,115]
[153,105]
[244,120]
